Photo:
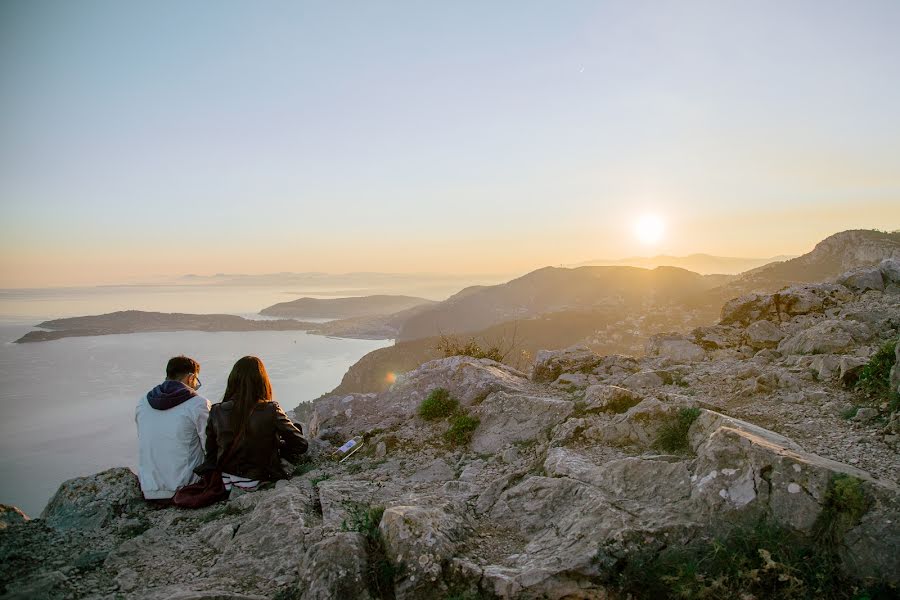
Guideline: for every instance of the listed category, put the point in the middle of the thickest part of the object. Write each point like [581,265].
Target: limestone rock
[468,379]
[831,336]
[610,398]
[508,418]
[709,421]
[341,416]
[335,568]
[624,479]
[11,515]
[862,279]
[676,347]
[438,470]
[93,502]
[644,380]
[269,538]
[890,271]
[763,334]
[639,425]
[550,364]
[421,541]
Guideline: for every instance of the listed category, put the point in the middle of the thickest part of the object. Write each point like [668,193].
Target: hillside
[343,308]
[759,453]
[554,290]
[543,306]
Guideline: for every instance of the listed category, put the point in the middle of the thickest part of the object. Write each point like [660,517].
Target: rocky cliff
[744,459]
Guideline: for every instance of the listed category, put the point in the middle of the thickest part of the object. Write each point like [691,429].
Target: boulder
[550,364]
[763,334]
[609,398]
[509,418]
[862,279]
[270,537]
[11,515]
[420,541]
[639,425]
[469,380]
[890,271]
[336,567]
[340,417]
[95,501]
[675,347]
[644,380]
[850,367]
[709,421]
[830,336]
[747,309]
[632,478]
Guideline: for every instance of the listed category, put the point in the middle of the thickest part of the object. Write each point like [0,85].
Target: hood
[169,394]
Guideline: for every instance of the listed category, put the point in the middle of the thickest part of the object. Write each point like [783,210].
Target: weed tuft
[673,435]
[381,571]
[462,426]
[874,378]
[437,405]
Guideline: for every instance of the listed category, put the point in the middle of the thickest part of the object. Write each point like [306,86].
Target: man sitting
[171,424]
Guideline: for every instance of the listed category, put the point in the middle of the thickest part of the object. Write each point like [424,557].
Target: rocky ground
[558,483]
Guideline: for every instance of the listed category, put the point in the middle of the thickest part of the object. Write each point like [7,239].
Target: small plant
[673,435]
[381,571]
[437,405]
[579,409]
[462,426]
[849,413]
[451,346]
[874,378]
[761,560]
[845,504]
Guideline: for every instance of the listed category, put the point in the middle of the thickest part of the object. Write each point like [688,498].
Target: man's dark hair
[180,366]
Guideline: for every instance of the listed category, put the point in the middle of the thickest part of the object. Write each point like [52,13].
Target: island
[137,321]
[344,308]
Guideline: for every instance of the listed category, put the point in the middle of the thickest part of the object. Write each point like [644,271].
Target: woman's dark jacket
[268,437]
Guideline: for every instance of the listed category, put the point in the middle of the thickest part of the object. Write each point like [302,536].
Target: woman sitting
[248,433]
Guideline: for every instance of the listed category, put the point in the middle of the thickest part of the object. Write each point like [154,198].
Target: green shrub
[450,346]
[760,561]
[437,405]
[462,426]
[849,413]
[845,504]
[874,378]
[672,436]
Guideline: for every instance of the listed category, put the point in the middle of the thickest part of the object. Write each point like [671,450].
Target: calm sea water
[67,406]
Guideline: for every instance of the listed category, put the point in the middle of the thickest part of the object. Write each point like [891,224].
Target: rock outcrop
[566,481]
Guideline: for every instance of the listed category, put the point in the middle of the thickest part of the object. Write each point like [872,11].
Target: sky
[140,139]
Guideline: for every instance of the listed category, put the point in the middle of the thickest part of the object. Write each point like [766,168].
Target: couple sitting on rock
[245,436]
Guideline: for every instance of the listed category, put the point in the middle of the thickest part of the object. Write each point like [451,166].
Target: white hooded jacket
[171,439]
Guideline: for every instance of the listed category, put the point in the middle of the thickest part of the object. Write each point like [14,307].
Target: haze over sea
[67,406]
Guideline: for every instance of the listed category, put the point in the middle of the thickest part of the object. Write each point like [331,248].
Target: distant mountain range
[705,264]
[609,308]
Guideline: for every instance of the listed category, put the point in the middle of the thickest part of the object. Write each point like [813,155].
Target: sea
[67,406]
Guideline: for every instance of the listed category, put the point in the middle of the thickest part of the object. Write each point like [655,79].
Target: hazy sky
[176,137]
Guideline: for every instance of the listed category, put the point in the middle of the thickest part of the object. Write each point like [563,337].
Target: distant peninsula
[136,321]
[344,308]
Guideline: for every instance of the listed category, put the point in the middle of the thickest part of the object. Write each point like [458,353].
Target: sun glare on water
[649,229]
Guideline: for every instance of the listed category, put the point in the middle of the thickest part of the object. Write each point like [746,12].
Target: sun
[649,229]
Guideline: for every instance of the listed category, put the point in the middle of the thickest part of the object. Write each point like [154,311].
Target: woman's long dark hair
[248,384]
